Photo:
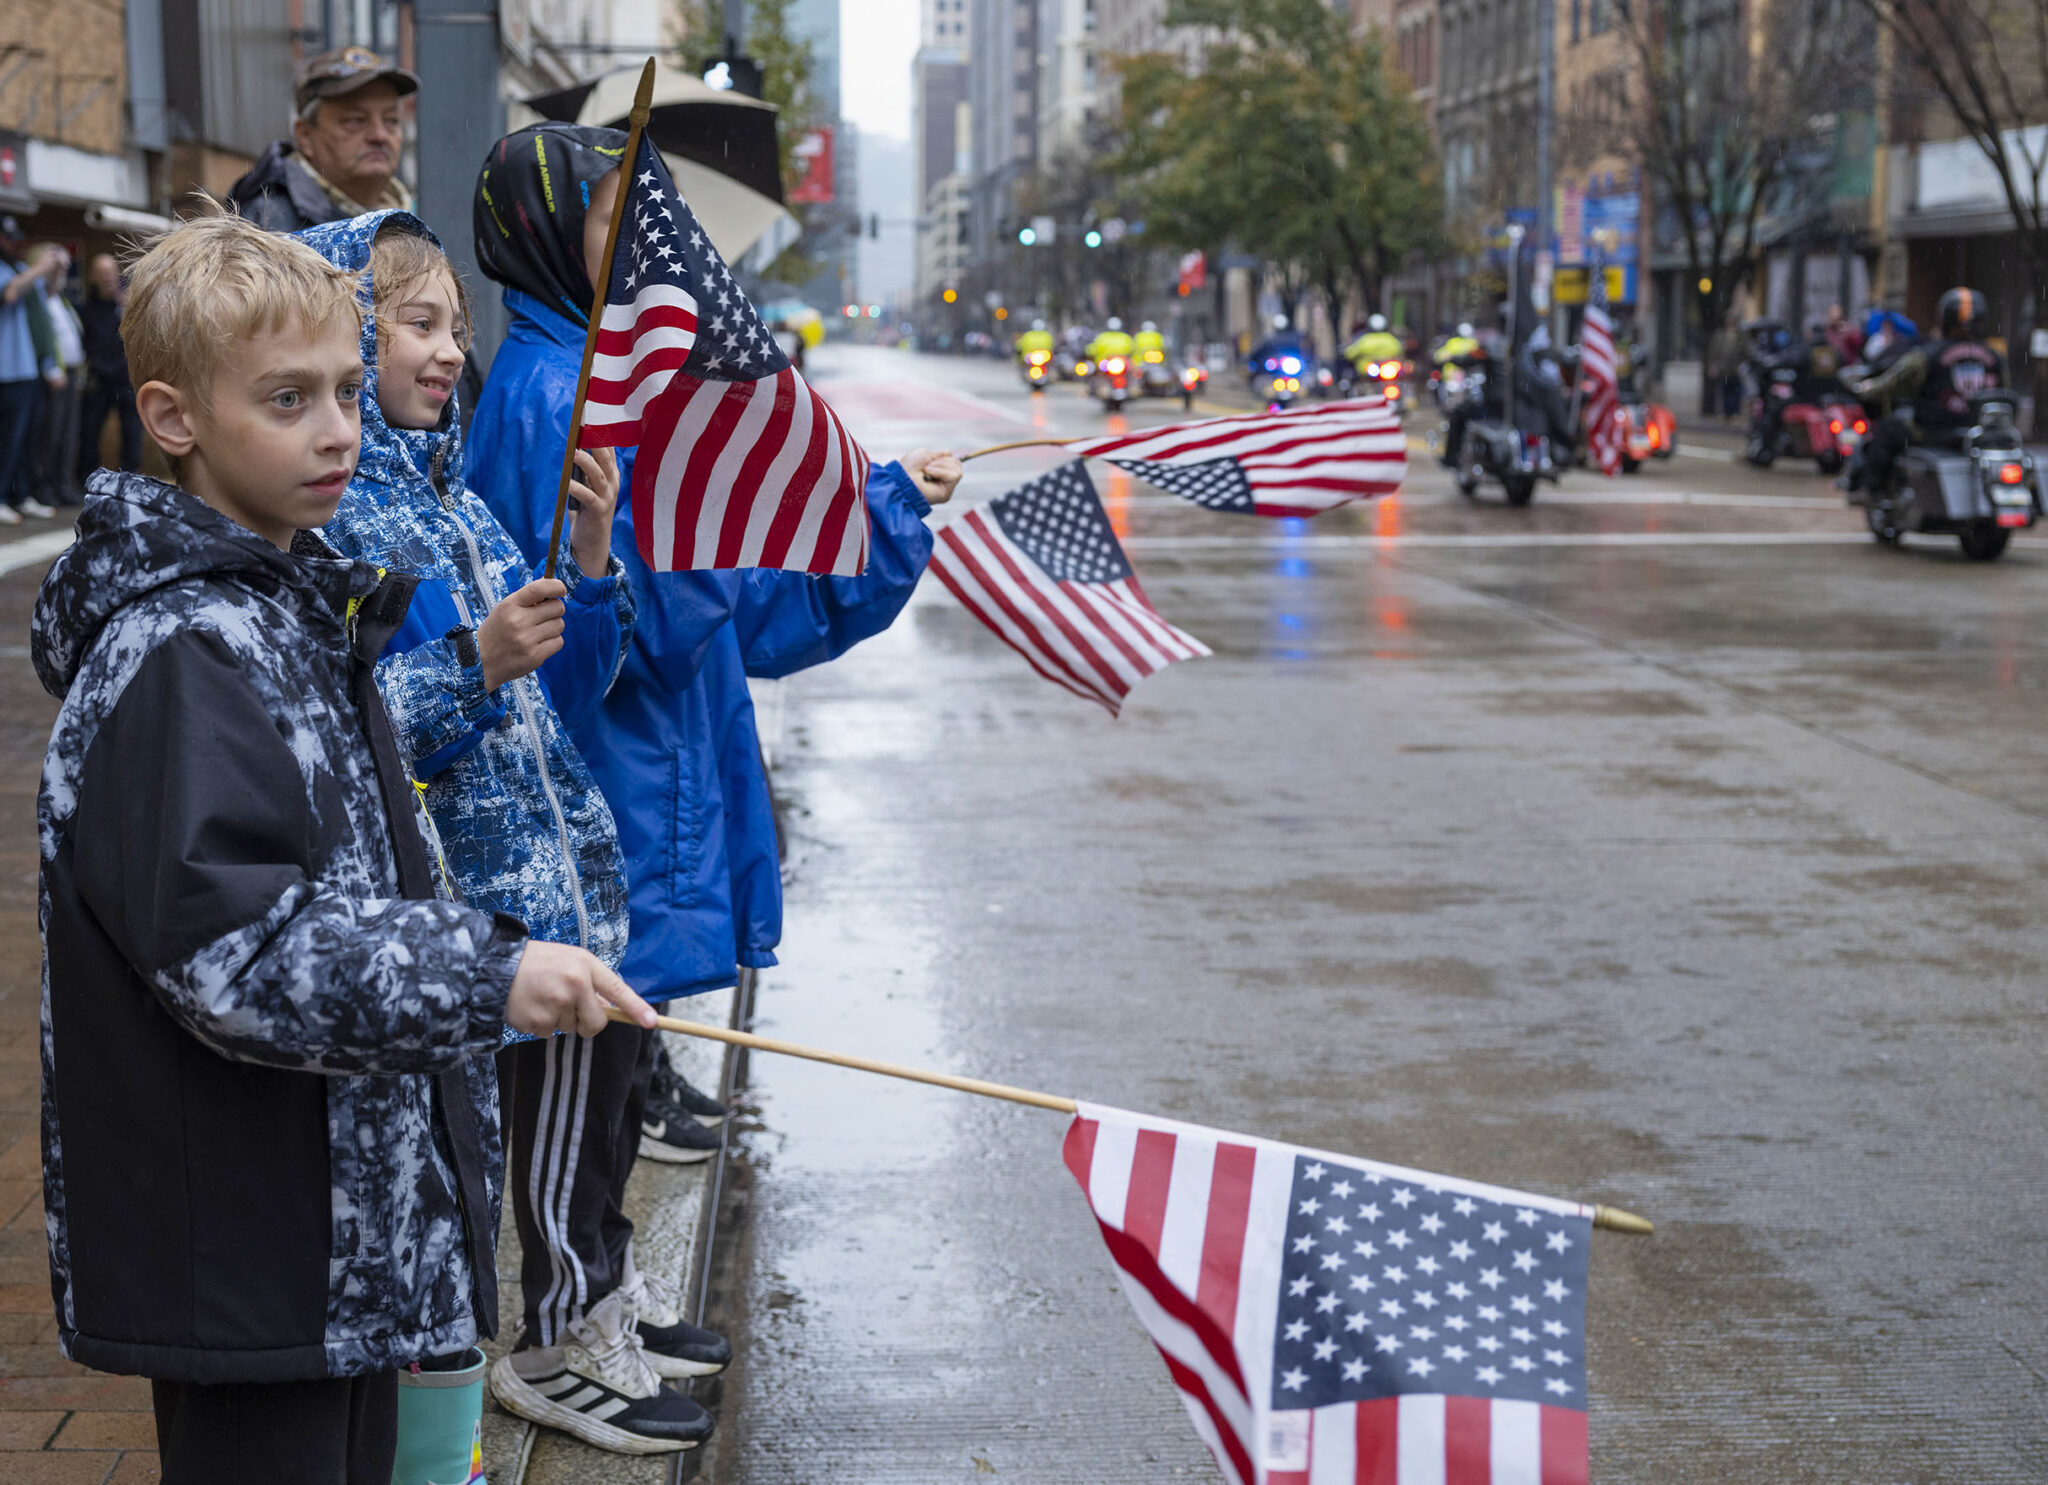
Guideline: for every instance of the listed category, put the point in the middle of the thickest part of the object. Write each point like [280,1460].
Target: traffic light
[951,295]
[1093,239]
[1026,236]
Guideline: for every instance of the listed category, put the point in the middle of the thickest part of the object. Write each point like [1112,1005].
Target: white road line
[31,549]
[1504,539]
[1693,451]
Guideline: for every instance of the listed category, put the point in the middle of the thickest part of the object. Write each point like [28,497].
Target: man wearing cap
[342,158]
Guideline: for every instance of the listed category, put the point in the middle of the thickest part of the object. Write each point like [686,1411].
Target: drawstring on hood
[531,201]
[390,456]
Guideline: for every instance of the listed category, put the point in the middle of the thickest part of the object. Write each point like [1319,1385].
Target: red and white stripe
[1096,639]
[1300,462]
[1196,1221]
[1599,387]
[745,474]
[640,347]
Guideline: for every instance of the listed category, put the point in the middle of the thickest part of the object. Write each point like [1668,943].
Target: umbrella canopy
[725,132]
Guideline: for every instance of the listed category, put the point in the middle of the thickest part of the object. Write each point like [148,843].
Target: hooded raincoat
[524,828]
[674,746]
[270,1147]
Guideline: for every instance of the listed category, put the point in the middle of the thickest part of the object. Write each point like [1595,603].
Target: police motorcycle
[1148,358]
[1281,370]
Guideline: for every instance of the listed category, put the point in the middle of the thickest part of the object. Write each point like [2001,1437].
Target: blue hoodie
[674,746]
[522,826]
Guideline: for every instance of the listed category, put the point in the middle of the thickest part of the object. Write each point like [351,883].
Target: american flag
[1334,1321]
[1598,381]
[1042,568]
[1295,463]
[741,464]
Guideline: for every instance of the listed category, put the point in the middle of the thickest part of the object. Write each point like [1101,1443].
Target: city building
[941,135]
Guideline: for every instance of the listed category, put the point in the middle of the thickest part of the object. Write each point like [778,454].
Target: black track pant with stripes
[572,1112]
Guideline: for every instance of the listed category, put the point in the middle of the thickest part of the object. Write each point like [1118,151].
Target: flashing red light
[1834,425]
[1860,426]
[2012,474]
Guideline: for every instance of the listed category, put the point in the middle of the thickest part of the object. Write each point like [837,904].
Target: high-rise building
[941,134]
[1002,95]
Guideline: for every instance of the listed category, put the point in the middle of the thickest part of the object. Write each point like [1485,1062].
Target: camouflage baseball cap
[345,69]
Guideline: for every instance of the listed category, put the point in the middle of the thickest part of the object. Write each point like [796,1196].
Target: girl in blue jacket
[489,665]
[673,746]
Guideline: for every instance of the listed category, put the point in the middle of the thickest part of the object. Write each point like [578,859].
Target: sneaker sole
[515,1397]
[673,1368]
[671,1155]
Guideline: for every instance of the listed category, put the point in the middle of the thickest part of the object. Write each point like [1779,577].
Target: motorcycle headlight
[1290,364]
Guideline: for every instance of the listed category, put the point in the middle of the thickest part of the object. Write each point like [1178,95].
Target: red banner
[814,159]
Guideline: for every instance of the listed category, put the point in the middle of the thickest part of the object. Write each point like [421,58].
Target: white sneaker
[672,1345]
[9,516]
[35,507]
[598,1386]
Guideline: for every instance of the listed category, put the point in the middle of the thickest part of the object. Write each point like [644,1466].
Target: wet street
[1667,843]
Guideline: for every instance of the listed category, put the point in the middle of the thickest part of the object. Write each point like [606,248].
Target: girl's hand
[594,494]
[521,632]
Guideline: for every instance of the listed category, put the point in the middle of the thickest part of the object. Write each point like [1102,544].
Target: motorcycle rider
[1492,401]
[1147,341]
[1037,338]
[1375,347]
[1113,341]
[1463,343]
[1935,381]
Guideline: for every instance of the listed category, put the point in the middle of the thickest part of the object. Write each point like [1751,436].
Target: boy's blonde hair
[400,261]
[215,280]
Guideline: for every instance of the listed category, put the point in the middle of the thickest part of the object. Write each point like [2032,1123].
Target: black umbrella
[725,132]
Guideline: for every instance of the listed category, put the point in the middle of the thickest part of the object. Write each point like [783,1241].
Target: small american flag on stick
[1042,568]
[1599,378]
[1296,463]
[741,464]
[1333,1321]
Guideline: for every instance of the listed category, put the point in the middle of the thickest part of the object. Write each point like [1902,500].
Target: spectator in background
[27,355]
[1726,352]
[59,449]
[1844,336]
[106,362]
[342,158]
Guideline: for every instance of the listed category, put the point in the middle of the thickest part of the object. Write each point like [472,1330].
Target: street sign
[1570,285]
[814,155]
[1044,230]
[1113,230]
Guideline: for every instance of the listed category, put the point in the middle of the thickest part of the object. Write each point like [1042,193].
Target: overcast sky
[877,39]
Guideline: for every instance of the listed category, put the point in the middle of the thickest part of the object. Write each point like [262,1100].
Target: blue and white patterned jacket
[524,829]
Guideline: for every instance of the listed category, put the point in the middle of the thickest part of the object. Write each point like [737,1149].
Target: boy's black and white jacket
[270,1143]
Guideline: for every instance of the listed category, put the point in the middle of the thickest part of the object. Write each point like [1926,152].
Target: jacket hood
[531,198]
[138,534]
[390,456]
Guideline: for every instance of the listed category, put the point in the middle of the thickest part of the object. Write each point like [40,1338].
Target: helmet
[1149,327]
[1114,324]
[1377,322]
[1962,313]
[1465,328]
[1279,322]
[1038,324]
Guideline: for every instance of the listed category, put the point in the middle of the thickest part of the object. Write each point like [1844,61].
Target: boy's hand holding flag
[741,464]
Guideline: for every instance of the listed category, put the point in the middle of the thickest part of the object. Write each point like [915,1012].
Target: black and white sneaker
[671,1136]
[672,1345]
[598,1386]
[670,1087]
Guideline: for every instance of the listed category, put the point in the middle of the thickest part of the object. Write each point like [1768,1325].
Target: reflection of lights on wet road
[1291,626]
[1116,500]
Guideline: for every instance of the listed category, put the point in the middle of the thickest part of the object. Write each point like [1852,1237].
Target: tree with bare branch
[1729,108]
[1985,63]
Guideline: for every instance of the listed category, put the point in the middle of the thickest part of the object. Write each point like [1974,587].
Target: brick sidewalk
[60,1424]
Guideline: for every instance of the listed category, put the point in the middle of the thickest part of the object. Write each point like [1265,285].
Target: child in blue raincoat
[673,746]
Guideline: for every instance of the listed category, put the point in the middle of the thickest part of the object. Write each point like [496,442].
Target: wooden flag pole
[643,101]
[1612,1218]
[1022,443]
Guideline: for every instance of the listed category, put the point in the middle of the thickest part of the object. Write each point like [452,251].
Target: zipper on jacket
[487,586]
